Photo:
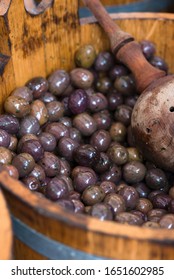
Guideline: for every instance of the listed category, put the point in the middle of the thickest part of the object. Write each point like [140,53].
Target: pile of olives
[68,137]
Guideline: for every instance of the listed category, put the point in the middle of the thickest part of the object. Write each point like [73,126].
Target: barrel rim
[131,16]
[5,230]
[47,208]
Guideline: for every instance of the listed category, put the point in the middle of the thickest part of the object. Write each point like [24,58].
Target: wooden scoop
[153,114]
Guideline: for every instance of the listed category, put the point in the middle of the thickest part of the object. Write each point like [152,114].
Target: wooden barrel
[37,45]
[6,236]
[121,6]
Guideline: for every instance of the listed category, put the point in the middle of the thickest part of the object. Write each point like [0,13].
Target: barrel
[121,6]
[36,42]
[6,235]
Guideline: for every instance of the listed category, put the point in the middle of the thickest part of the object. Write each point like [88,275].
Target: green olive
[85,56]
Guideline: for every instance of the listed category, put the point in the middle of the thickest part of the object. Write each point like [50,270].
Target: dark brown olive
[118,131]
[155,215]
[118,70]
[78,206]
[5,155]
[34,148]
[134,154]
[57,129]
[29,125]
[130,196]
[17,106]
[38,86]
[12,171]
[108,187]
[128,218]
[100,139]
[47,97]
[58,82]
[66,204]
[66,147]
[92,194]
[65,168]
[85,56]
[25,138]
[86,155]
[118,154]
[56,189]
[38,173]
[97,102]
[134,172]
[103,164]
[144,205]
[67,180]
[116,202]
[75,134]
[48,141]
[113,174]
[50,164]
[55,110]
[102,211]
[84,178]
[67,121]
[13,143]
[4,138]
[104,61]
[171,206]
[148,48]
[39,111]
[114,99]
[125,85]
[24,163]
[31,183]
[81,78]
[167,221]
[142,189]
[156,179]
[85,124]
[102,119]
[103,84]
[9,123]
[123,114]
[23,92]
[161,201]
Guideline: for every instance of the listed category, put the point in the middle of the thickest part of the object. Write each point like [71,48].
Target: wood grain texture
[37,46]
[5,230]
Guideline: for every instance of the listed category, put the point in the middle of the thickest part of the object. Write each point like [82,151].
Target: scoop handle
[125,48]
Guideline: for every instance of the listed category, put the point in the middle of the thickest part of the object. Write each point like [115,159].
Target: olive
[58,82]
[5,155]
[85,56]
[55,110]
[23,92]
[4,138]
[17,106]
[38,86]
[116,202]
[9,123]
[102,211]
[39,111]
[92,194]
[81,78]
[50,164]
[24,163]
[29,125]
